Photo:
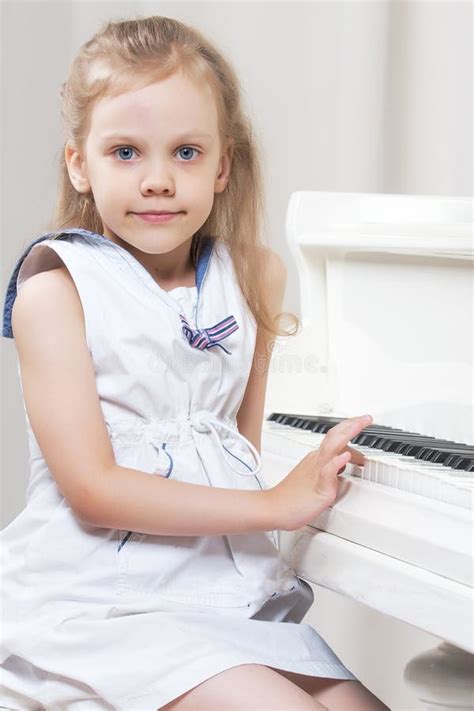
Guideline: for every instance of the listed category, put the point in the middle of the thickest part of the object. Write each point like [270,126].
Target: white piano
[386,306]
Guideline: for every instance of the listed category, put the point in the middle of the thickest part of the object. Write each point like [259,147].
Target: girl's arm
[61,400]
[250,414]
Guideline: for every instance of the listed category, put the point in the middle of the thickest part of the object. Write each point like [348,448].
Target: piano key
[422,477]
[377,437]
[323,423]
[433,481]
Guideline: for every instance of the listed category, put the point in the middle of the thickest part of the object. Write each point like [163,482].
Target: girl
[143,573]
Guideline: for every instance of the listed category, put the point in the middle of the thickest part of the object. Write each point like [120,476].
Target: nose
[158,180]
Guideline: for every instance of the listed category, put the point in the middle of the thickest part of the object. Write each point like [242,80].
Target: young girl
[143,573]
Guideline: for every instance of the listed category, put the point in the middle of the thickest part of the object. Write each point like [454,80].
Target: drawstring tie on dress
[201,421]
[204,421]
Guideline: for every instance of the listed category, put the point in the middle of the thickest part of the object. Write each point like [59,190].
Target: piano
[386,328]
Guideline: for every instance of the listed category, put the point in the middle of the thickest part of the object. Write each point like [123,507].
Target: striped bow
[203,338]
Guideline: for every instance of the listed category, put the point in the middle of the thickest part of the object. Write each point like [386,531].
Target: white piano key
[398,471]
[432,480]
[422,478]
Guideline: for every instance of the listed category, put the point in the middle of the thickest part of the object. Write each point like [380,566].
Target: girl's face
[155,148]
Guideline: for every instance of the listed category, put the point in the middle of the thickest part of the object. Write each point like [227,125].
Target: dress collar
[115,253]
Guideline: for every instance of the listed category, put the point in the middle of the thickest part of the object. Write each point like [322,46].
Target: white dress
[97,619]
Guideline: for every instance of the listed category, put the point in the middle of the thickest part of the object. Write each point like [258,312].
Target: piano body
[386,309]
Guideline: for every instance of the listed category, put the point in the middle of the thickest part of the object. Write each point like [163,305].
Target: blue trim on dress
[168,473]
[244,463]
[11,292]
[203,262]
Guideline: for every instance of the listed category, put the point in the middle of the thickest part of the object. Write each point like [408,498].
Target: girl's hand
[312,485]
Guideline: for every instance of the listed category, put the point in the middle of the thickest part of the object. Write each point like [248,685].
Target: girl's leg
[349,694]
[246,687]
[336,694]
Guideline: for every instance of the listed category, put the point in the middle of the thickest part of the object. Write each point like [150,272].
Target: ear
[76,167]
[224,167]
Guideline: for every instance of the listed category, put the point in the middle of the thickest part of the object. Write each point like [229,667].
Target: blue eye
[123,148]
[188,148]
[129,148]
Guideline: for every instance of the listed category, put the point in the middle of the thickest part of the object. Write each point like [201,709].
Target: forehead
[175,102]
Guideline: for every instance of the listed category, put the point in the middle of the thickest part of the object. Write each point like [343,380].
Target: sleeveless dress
[97,619]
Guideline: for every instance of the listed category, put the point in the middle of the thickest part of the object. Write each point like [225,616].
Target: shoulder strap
[12,288]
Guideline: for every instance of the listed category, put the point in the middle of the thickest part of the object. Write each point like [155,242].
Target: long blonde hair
[132,54]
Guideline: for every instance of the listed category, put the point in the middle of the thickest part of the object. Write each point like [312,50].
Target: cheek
[203,210]
[111,186]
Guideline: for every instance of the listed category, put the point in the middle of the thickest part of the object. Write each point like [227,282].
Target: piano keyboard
[409,461]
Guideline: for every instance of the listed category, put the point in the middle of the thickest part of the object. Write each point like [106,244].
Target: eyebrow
[182,137]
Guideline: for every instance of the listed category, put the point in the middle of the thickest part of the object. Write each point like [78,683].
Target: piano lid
[386,305]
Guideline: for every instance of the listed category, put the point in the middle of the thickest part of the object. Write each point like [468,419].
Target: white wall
[345,96]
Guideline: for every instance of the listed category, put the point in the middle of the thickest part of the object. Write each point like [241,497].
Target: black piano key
[456,462]
[406,449]
[416,447]
[454,455]
[441,456]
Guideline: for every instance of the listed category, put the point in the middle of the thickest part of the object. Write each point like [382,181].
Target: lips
[156,217]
